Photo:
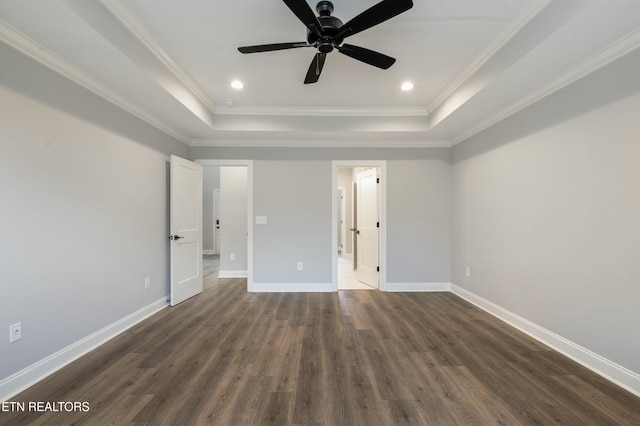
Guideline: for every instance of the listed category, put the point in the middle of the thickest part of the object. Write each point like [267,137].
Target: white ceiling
[473,63]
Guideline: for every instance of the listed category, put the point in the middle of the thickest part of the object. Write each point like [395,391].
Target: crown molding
[319,143]
[20,42]
[323,111]
[530,12]
[129,20]
[600,59]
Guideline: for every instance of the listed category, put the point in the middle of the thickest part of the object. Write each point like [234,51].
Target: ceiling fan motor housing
[330,26]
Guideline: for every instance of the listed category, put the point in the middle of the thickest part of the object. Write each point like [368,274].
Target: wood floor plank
[123,412]
[492,409]
[223,396]
[227,357]
[382,364]
[524,398]
[278,409]
[310,392]
[587,397]
[248,408]
[287,360]
[442,385]
[195,394]
[401,412]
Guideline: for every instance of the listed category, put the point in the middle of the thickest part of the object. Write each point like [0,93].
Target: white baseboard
[23,379]
[232,274]
[412,287]
[611,371]
[291,288]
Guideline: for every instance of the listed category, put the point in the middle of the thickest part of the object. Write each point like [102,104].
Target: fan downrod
[324,8]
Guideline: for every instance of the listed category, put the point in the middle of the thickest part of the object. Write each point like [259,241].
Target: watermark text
[45,406]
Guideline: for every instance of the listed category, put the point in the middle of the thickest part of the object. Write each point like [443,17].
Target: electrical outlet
[232,256]
[15,332]
[300,266]
[147,282]
[468,271]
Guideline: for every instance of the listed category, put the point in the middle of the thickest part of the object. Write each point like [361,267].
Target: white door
[367,227]
[186,229]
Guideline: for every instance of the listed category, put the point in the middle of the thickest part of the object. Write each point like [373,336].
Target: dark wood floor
[365,358]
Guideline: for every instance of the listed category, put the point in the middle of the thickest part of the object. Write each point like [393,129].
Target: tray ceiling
[171,63]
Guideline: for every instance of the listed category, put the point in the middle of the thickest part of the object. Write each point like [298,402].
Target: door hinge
[377,180]
[377,224]
[378,269]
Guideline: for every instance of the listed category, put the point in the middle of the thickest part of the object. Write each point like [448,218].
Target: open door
[367,235]
[186,229]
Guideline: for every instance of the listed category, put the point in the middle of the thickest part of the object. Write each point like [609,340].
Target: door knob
[175,237]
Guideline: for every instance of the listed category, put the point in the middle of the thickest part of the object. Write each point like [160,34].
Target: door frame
[342,208]
[216,221]
[249,165]
[382,204]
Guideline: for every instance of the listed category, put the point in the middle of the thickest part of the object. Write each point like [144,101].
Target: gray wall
[233,220]
[546,209]
[83,217]
[292,187]
[419,220]
[296,198]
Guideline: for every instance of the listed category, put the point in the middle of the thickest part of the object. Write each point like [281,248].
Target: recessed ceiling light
[237,84]
[406,86]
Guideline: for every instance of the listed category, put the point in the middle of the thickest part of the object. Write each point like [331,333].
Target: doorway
[359,234]
[233,227]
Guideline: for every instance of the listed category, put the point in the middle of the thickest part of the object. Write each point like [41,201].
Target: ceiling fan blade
[271,47]
[305,14]
[367,56]
[313,74]
[375,15]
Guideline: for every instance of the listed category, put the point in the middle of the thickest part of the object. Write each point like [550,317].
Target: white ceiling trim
[320,143]
[324,111]
[39,53]
[125,15]
[530,12]
[104,22]
[604,57]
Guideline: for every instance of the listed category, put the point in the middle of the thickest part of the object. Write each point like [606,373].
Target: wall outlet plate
[15,332]
[300,266]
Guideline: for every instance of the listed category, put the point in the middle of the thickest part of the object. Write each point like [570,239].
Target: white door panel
[367,227]
[186,229]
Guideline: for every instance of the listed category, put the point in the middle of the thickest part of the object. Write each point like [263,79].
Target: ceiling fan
[326,32]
